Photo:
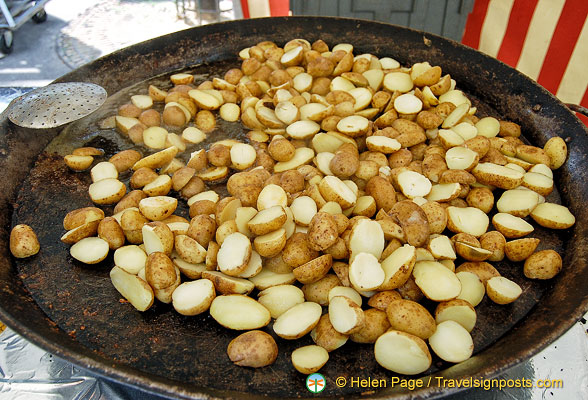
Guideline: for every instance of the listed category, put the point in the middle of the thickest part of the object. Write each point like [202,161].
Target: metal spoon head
[56,104]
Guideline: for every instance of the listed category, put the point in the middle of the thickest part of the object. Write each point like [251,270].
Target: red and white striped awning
[545,39]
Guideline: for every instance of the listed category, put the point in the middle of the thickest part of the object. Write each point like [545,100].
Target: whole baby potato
[411,317]
[23,241]
[253,349]
[297,251]
[543,264]
[322,231]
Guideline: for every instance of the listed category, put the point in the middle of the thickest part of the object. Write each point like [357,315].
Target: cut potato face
[90,250]
[345,315]
[107,191]
[267,220]
[309,359]
[302,155]
[298,320]
[267,278]
[281,298]
[467,220]
[193,298]
[402,353]
[353,125]
[502,290]
[239,312]
[158,208]
[382,144]
[303,209]
[436,281]
[234,254]
[472,288]
[103,170]
[130,258]
[131,287]
[457,310]
[346,291]
[414,184]
[511,226]
[367,237]
[452,342]
[519,203]
[334,189]
[554,216]
[365,272]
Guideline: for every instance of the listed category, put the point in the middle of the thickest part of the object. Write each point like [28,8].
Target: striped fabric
[265,8]
[545,39]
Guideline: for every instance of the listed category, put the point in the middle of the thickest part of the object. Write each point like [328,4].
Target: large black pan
[72,310]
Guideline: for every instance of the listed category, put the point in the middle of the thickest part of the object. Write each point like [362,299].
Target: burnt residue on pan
[73,309]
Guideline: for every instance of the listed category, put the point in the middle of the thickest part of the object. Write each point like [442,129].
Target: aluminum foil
[28,372]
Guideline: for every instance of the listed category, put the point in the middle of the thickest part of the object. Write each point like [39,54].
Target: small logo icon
[315,383]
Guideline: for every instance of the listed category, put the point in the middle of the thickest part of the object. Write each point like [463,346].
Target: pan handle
[578,108]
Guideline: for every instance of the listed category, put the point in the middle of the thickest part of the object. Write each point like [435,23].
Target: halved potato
[452,342]
[226,284]
[279,299]
[90,250]
[470,220]
[456,310]
[234,254]
[436,281]
[158,208]
[497,175]
[502,290]
[193,298]
[309,359]
[554,216]
[298,320]
[510,226]
[131,287]
[402,353]
[365,272]
[238,312]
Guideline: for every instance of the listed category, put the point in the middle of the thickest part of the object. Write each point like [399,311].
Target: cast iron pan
[73,311]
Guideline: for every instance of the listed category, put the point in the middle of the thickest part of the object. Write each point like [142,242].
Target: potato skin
[318,291]
[297,251]
[313,270]
[253,349]
[382,191]
[160,271]
[381,300]
[326,336]
[544,264]
[23,241]
[413,221]
[322,231]
[110,230]
[202,229]
[376,324]
[411,317]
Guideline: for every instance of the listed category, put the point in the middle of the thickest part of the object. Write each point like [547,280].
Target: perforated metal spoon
[56,104]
